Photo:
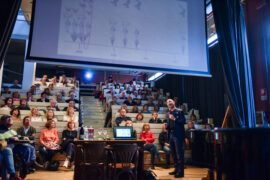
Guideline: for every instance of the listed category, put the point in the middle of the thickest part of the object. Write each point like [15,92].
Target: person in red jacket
[149,138]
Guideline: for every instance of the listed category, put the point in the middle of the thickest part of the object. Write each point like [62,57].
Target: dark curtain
[8,14]
[202,93]
[230,25]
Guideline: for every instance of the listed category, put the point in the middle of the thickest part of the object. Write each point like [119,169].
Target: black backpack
[53,166]
[149,175]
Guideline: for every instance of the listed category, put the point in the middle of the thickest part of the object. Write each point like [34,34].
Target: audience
[149,139]
[15,96]
[130,124]
[145,109]
[8,104]
[139,117]
[70,115]
[49,116]
[15,114]
[15,85]
[53,105]
[135,109]
[72,98]
[71,104]
[23,105]
[155,118]
[43,98]
[27,131]
[35,117]
[164,142]
[122,118]
[48,143]
[59,99]
[29,97]
[6,90]
[187,133]
[109,114]
[68,137]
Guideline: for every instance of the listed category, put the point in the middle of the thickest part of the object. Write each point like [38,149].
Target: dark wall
[205,94]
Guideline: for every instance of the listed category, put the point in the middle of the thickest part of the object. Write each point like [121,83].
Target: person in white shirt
[35,116]
[70,115]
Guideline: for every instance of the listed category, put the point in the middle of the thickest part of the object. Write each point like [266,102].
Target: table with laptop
[84,149]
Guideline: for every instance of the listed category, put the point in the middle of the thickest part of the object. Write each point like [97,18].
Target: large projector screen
[157,35]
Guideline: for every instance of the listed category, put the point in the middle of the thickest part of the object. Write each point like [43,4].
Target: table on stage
[82,143]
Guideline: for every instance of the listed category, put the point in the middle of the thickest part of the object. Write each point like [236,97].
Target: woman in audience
[155,118]
[156,108]
[43,82]
[70,116]
[15,114]
[51,87]
[35,117]
[149,139]
[8,104]
[68,137]
[16,96]
[130,124]
[23,105]
[32,90]
[59,98]
[49,116]
[47,91]
[135,109]
[48,142]
[139,117]
[29,97]
[145,109]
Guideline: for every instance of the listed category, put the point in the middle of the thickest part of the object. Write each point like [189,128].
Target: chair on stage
[90,161]
[124,161]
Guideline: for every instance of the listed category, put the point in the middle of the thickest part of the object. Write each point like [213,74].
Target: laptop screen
[123,132]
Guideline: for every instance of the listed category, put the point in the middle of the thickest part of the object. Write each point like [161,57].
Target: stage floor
[191,173]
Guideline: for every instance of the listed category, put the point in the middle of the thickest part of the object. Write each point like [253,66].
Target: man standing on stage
[176,132]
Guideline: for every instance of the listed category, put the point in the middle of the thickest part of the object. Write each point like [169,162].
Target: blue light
[88,75]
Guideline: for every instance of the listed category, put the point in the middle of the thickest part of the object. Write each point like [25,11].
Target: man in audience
[155,118]
[122,118]
[128,102]
[72,98]
[176,130]
[150,102]
[43,98]
[6,90]
[187,133]
[71,104]
[15,85]
[53,105]
[109,114]
[164,142]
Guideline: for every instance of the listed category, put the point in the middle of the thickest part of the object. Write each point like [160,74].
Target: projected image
[124,31]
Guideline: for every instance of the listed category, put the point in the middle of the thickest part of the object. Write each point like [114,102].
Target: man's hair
[4,117]
[26,118]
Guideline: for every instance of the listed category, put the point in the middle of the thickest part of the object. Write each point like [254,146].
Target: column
[29,73]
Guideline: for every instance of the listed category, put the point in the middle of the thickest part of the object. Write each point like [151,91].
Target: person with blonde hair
[149,139]
[129,123]
[68,137]
[49,116]
[34,115]
[48,142]
[70,115]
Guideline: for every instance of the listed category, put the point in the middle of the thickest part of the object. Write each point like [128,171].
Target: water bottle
[86,137]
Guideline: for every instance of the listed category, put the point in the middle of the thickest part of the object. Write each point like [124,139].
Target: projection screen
[156,35]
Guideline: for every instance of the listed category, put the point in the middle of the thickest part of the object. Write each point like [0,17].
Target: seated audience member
[187,133]
[109,114]
[35,117]
[16,96]
[51,87]
[59,98]
[144,98]
[177,104]
[45,78]
[138,102]
[73,80]
[122,118]
[6,90]
[156,108]
[8,104]
[43,98]
[139,117]
[184,109]
[76,85]
[49,116]
[7,137]
[150,102]
[130,124]
[47,91]
[15,85]
[145,109]
[27,131]
[208,126]
[68,137]
[53,106]
[72,98]
[63,79]
[128,102]
[135,109]
[155,118]
[193,118]
[71,104]
[43,82]
[164,142]
[53,82]
[15,114]
[70,116]
[149,139]
[29,97]
[160,103]
[122,96]
[32,90]
[23,105]
[123,106]
[65,84]
[48,143]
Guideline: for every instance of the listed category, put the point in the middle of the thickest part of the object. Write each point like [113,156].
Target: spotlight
[88,75]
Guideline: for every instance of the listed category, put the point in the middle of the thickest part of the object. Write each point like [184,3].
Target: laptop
[123,133]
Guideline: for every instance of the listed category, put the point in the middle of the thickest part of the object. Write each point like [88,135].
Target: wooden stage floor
[191,173]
